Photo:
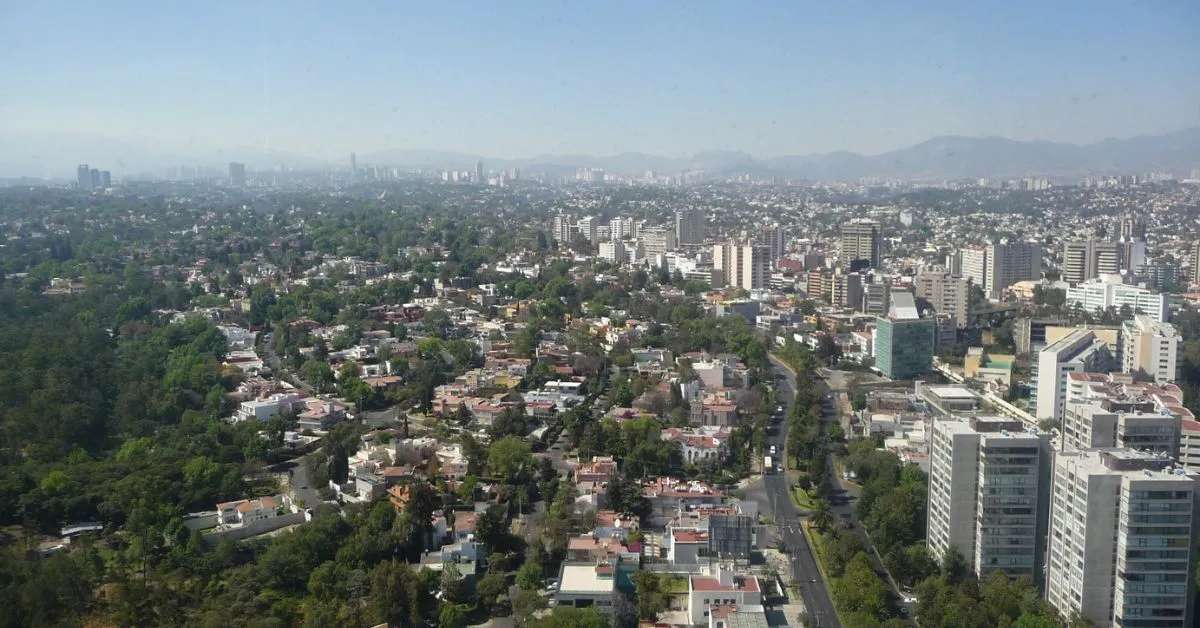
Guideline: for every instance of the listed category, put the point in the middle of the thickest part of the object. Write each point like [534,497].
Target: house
[248,511]
[722,588]
[265,409]
[701,444]
[320,414]
[586,585]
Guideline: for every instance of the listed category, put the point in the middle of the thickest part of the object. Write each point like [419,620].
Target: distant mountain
[54,155]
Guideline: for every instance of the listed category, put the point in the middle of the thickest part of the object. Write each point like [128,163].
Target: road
[813,589]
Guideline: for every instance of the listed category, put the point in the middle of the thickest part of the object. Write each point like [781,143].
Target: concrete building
[1007,263]
[657,241]
[773,237]
[1196,262]
[1108,291]
[1086,259]
[1122,530]
[904,342]
[860,243]
[563,229]
[1081,351]
[588,228]
[722,588]
[689,227]
[947,293]
[876,298]
[1151,348]
[613,251]
[237,174]
[988,495]
[973,266]
[741,265]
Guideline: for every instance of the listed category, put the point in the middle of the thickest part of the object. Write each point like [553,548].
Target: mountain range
[944,157]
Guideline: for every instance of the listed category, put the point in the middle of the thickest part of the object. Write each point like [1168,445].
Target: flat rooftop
[584,578]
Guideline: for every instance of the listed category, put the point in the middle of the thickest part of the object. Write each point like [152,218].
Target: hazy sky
[517,79]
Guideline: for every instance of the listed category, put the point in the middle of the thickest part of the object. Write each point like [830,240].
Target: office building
[1122,530]
[1101,293]
[946,293]
[1087,259]
[904,342]
[860,243]
[689,227]
[479,172]
[613,251]
[989,495]
[1007,263]
[1150,348]
[237,174]
[1081,351]
[83,177]
[105,179]
[95,175]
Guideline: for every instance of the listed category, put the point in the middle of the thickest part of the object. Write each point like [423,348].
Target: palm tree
[822,516]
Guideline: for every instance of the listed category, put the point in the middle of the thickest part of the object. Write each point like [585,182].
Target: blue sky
[518,79]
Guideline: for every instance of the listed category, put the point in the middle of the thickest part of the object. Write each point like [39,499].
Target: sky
[517,79]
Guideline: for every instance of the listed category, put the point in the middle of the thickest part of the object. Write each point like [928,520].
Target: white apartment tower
[1150,347]
[1122,527]
[741,265]
[988,494]
[1080,351]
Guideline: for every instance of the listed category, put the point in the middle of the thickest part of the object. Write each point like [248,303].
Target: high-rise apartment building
[1007,263]
[1132,228]
[972,263]
[588,228]
[860,243]
[1122,529]
[1081,351]
[876,298]
[1151,348]
[562,231]
[689,227]
[946,293]
[1086,259]
[613,251]
[1196,262]
[657,241]
[904,342]
[620,228]
[989,495]
[237,174]
[741,265]
[775,239]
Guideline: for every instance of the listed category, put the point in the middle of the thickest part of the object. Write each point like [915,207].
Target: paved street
[813,588]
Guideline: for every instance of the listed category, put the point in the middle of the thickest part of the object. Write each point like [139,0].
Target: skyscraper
[774,238]
[237,174]
[83,177]
[860,243]
[354,164]
[689,226]
[105,179]
[479,172]
[562,229]
[1122,532]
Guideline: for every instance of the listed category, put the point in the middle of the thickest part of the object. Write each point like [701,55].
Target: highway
[813,589]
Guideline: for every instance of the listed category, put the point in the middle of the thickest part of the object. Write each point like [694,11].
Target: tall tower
[83,177]
[354,164]
[479,172]
[860,242]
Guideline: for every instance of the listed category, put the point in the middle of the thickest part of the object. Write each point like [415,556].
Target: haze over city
[311,83]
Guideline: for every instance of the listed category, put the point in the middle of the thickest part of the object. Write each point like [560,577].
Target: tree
[822,516]
[490,588]
[509,458]
[571,617]
[529,576]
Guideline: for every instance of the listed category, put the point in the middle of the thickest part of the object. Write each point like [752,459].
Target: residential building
[774,237]
[1150,348]
[563,228]
[689,227]
[613,251]
[876,298]
[1086,259]
[722,588]
[741,265]
[657,241]
[988,495]
[948,294]
[860,244]
[1081,351]
[1007,263]
[1122,531]
[904,342]
[973,266]
[1108,291]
